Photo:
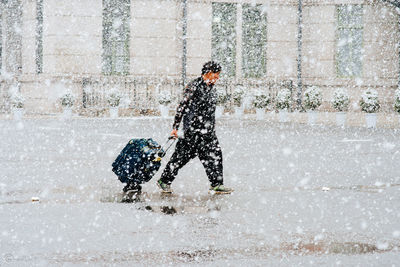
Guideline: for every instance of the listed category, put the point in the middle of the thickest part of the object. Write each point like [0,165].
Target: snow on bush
[17,101]
[283,99]
[340,100]
[312,98]
[261,99]
[67,99]
[222,97]
[238,96]
[114,98]
[369,101]
[396,104]
[164,98]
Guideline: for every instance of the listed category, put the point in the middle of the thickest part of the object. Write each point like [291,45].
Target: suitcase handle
[169,143]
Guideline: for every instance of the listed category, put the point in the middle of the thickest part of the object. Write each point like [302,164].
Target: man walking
[197,109]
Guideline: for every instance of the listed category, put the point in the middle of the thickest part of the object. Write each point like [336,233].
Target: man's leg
[184,151]
[210,155]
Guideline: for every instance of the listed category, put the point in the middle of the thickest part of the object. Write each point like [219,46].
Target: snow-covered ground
[306,195]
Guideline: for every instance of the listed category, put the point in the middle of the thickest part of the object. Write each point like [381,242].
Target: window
[349,40]
[39,36]
[116,19]
[223,43]
[254,41]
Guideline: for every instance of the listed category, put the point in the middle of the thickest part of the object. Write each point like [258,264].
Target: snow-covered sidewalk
[353,119]
[318,195]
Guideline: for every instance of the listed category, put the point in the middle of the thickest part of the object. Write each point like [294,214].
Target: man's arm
[181,109]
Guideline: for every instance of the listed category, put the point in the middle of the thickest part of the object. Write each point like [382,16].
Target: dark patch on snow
[210,254]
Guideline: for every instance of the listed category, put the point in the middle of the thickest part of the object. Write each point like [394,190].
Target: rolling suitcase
[139,160]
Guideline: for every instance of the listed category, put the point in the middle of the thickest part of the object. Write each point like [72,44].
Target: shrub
[222,97]
[67,99]
[283,99]
[114,98]
[312,98]
[238,96]
[164,98]
[340,100]
[261,99]
[396,104]
[369,101]
[17,101]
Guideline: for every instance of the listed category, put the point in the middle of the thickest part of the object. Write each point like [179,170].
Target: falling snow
[307,118]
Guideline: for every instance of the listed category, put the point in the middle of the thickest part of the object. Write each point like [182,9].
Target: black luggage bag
[139,160]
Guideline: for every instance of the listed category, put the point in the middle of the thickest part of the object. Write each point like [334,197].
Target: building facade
[142,47]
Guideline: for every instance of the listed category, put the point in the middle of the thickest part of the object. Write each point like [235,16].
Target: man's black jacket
[197,108]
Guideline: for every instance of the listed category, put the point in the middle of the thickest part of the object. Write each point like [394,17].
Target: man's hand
[174,133]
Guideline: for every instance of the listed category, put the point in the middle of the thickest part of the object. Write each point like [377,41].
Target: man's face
[211,77]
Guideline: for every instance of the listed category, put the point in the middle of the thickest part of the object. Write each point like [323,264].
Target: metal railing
[138,93]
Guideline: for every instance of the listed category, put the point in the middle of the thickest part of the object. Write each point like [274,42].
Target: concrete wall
[381,41]
[155,39]
[282,42]
[72,47]
[29,40]
[72,37]
[380,62]
[319,42]
[198,36]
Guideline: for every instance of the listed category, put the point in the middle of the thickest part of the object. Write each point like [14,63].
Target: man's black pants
[206,147]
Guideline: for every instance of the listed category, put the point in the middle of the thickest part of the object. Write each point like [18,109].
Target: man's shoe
[220,189]
[166,188]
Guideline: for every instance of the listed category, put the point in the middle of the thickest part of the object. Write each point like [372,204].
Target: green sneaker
[220,189]
[166,188]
